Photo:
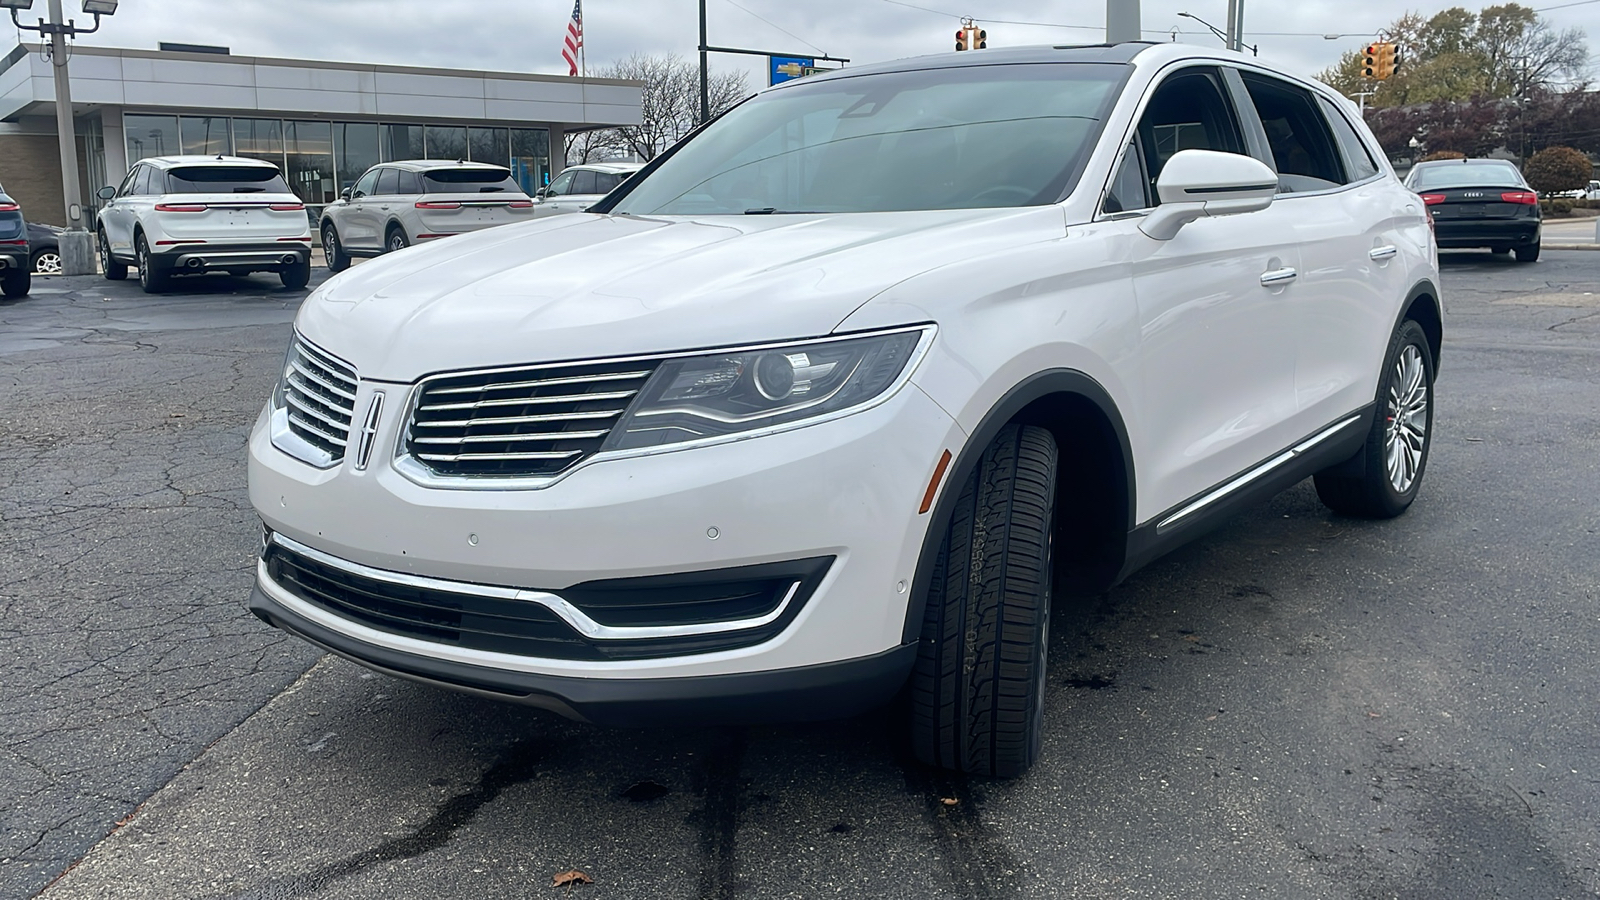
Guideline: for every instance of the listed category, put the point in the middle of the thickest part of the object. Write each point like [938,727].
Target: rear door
[1343,218]
[240,204]
[1217,343]
[469,198]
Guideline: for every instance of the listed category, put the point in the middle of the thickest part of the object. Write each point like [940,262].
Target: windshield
[225,180]
[960,138]
[1484,174]
[470,181]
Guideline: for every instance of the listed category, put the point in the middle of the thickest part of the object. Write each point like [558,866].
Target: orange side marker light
[933,485]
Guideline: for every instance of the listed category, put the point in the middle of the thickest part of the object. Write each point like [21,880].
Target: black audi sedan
[1480,203]
[16,264]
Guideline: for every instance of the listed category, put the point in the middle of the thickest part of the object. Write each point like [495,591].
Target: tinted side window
[1129,187]
[583,183]
[130,181]
[366,185]
[409,183]
[388,180]
[1301,144]
[605,182]
[149,181]
[562,185]
[1188,111]
[1358,162]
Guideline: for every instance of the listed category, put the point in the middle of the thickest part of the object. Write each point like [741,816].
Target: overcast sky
[526,35]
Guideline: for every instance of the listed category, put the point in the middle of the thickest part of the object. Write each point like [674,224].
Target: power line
[777,26]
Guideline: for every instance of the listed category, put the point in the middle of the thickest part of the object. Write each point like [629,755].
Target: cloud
[526,35]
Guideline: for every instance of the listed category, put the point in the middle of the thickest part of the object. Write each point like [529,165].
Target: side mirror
[1195,184]
[540,193]
[106,193]
[344,194]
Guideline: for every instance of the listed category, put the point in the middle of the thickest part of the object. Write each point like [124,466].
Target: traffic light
[1381,61]
[980,39]
[971,37]
[961,39]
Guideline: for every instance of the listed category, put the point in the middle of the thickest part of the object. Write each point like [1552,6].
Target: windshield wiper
[774,211]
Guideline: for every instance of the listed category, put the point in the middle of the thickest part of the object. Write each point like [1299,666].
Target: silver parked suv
[190,215]
[397,204]
[580,187]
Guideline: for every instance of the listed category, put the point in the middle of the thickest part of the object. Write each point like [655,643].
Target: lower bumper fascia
[810,693]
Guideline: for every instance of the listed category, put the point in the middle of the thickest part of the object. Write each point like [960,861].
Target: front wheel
[333,250]
[977,691]
[109,267]
[1395,454]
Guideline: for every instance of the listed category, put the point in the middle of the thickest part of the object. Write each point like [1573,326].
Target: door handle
[1387,251]
[1278,277]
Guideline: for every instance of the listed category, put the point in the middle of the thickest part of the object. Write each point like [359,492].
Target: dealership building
[322,123]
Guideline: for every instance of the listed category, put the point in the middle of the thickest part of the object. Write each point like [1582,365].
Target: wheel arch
[1422,305]
[1095,478]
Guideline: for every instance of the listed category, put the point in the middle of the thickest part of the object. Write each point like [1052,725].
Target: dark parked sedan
[45,242]
[1480,203]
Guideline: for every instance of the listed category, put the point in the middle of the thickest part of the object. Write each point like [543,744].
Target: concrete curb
[1571,246]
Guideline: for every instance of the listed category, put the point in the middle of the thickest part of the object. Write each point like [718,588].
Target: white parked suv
[833,395]
[579,187]
[189,215]
[397,204]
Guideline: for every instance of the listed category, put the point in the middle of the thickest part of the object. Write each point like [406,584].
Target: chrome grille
[320,396]
[528,422]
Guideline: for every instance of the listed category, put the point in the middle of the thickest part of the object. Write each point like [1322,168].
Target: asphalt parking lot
[1297,706]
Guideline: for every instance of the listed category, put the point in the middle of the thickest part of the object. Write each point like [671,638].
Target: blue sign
[787,68]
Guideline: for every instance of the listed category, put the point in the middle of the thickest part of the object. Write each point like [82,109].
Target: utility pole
[77,254]
[1122,21]
[705,69]
[1238,25]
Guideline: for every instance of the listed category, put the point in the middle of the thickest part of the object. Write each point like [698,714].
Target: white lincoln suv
[189,215]
[829,398]
[397,204]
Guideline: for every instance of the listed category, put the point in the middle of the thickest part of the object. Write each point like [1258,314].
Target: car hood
[588,286]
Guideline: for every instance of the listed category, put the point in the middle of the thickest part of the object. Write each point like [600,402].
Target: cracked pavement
[1298,705]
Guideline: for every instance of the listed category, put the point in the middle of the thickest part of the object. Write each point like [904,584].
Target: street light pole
[1122,21]
[705,70]
[76,255]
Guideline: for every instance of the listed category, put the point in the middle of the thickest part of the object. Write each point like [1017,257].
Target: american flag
[572,51]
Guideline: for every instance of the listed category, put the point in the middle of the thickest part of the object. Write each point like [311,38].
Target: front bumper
[847,489]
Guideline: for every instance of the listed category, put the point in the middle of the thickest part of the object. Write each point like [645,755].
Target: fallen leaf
[949,801]
[1373,715]
[571,877]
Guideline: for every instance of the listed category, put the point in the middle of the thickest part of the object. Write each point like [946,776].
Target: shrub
[1556,169]
[1561,206]
[1442,154]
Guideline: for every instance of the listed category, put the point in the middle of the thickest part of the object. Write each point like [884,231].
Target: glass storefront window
[402,142]
[355,148]
[445,142]
[530,158]
[206,135]
[490,145]
[309,150]
[151,136]
[259,139]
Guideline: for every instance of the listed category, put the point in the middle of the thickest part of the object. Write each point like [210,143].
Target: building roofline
[221,59]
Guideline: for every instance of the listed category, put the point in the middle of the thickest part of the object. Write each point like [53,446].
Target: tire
[1498,251]
[153,281]
[15,283]
[109,267]
[1405,392]
[297,276]
[977,690]
[395,240]
[338,260]
[47,262]
[1529,253]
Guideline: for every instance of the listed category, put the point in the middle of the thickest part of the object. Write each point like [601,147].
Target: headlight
[699,397]
[276,402]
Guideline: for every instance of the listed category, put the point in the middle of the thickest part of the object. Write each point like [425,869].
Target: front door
[1217,339]
[357,221]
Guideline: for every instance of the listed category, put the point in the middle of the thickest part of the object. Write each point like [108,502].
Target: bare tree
[669,107]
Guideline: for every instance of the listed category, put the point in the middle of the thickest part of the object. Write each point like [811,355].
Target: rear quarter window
[223,180]
[470,181]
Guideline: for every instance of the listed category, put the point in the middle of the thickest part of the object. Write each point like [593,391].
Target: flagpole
[583,58]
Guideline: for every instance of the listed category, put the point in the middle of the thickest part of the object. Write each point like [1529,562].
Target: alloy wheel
[1407,418]
[397,241]
[330,244]
[47,263]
